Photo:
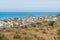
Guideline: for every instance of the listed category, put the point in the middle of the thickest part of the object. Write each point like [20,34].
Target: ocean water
[24,14]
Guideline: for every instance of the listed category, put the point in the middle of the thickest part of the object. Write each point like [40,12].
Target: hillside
[30,28]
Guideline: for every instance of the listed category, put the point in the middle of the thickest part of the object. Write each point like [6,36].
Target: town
[15,22]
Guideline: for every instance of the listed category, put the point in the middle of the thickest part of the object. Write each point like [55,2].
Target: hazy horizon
[29,5]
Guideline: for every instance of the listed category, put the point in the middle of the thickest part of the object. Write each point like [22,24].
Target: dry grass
[29,33]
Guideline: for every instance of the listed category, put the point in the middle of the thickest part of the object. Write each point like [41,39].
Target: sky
[29,5]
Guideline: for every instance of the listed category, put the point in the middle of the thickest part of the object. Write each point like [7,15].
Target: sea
[4,15]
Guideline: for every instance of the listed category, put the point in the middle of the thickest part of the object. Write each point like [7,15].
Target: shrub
[24,33]
[17,36]
[5,20]
[33,25]
[44,31]
[57,24]
[40,38]
[51,23]
[39,23]
[24,26]
[58,31]
[15,18]
[35,36]
[8,30]
[28,38]
[54,38]
[58,38]
[3,37]
[37,30]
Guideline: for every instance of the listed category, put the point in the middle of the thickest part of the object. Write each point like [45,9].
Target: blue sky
[30,5]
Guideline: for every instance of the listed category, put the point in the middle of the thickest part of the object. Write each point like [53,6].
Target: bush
[3,37]
[44,31]
[28,38]
[51,23]
[57,24]
[40,38]
[15,18]
[35,36]
[16,36]
[58,31]
[58,38]
[23,27]
[8,30]
[54,38]
[33,25]
[37,30]
[24,33]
